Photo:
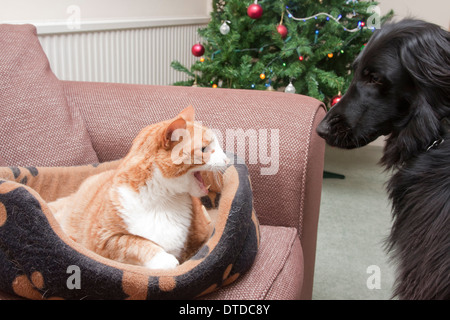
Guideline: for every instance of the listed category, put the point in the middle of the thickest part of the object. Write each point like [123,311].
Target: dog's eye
[375,78]
[372,77]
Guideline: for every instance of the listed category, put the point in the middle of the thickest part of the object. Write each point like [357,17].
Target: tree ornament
[290,88]
[198,50]
[330,55]
[195,85]
[262,76]
[224,28]
[300,58]
[214,86]
[336,99]
[282,30]
[254,10]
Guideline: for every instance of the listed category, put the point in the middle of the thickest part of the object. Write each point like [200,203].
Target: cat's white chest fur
[157,213]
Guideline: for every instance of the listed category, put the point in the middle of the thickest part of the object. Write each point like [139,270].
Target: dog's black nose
[323,129]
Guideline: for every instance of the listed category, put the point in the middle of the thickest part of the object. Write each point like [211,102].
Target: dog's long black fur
[401,88]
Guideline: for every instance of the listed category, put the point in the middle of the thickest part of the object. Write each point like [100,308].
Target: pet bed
[39,261]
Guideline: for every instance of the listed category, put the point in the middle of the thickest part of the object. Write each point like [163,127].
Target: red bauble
[335,100]
[255,11]
[198,50]
[282,30]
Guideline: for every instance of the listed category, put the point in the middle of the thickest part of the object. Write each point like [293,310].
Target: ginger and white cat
[141,213]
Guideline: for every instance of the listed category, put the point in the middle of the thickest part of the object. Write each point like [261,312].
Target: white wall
[90,10]
[61,16]
[435,11]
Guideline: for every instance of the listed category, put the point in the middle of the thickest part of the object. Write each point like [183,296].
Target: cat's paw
[162,260]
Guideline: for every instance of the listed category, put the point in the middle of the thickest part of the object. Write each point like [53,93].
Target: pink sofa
[48,122]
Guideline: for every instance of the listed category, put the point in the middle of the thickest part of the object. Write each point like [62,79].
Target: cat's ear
[178,123]
[188,114]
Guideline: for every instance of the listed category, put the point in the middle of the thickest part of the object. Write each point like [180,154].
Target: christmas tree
[301,46]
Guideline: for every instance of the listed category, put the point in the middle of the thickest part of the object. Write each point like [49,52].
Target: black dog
[401,88]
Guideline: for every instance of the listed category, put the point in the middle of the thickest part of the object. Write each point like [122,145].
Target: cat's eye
[204,149]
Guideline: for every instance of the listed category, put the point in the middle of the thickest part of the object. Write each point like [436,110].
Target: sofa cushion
[276,274]
[37,126]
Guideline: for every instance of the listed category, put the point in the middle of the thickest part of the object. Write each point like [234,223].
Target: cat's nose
[227,160]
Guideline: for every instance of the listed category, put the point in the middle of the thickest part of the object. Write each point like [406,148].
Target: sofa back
[37,126]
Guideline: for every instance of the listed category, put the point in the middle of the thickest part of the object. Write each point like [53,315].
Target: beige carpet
[355,218]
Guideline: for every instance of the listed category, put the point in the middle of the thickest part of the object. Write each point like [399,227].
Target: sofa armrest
[286,177]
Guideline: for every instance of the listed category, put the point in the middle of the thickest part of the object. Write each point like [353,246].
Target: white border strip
[58,27]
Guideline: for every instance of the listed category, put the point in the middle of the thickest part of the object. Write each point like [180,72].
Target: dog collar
[445,122]
[435,144]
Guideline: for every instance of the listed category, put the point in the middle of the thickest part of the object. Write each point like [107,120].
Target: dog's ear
[413,135]
[426,57]
[424,54]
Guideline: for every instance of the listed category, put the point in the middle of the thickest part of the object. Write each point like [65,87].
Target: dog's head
[400,86]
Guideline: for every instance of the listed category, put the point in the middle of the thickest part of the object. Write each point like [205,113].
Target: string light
[329,16]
